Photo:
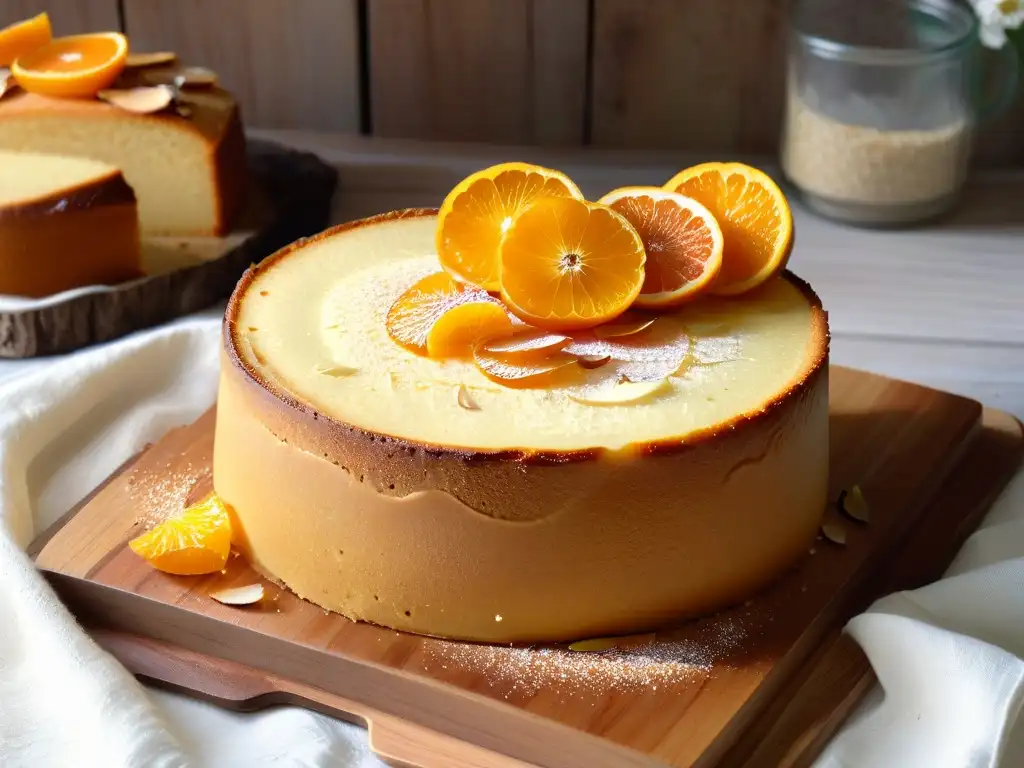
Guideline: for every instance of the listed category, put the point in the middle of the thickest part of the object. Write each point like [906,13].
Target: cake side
[64,222]
[188,173]
[516,549]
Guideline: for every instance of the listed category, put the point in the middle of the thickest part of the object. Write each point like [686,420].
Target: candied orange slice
[756,223]
[461,328]
[682,239]
[569,264]
[195,542]
[24,37]
[79,66]
[413,315]
[480,209]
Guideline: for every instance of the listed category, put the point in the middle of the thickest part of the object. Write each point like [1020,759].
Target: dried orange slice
[682,239]
[570,264]
[461,328]
[479,210]
[195,542]
[24,37]
[515,371]
[752,211]
[79,66]
[413,315]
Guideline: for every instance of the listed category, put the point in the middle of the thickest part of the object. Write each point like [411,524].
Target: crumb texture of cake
[360,479]
[188,173]
[65,222]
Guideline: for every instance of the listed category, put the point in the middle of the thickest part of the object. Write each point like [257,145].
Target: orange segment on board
[682,239]
[480,209]
[24,37]
[752,211]
[79,66]
[569,264]
[195,542]
[413,315]
[461,328]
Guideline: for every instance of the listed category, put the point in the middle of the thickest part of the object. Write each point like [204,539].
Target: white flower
[997,16]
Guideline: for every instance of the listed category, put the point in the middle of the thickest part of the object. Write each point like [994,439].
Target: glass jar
[882,101]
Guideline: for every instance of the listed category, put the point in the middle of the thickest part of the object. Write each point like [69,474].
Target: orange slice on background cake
[415,319]
[24,37]
[476,214]
[79,66]
[569,264]
[196,542]
[754,216]
[681,237]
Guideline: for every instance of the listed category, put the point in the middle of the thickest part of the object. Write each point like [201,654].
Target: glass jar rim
[864,54]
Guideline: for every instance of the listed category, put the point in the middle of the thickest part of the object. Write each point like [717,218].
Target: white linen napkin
[948,656]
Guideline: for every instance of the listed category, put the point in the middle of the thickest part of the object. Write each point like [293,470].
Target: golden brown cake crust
[332,432]
[113,190]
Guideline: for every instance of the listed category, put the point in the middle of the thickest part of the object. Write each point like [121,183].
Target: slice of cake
[65,222]
[670,469]
[188,171]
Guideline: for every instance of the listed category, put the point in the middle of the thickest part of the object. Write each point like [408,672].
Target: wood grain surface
[790,732]
[489,70]
[290,63]
[290,198]
[681,698]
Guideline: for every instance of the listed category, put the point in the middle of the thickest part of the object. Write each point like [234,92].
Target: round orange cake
[419,494]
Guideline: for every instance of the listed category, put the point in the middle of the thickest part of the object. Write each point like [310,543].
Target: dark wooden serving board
[290,198]
[762,684]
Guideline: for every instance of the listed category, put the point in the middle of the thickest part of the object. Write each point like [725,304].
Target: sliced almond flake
[143,100]
[154,59]
[247,595]
[623,326]
[590,362]
[853,504]
[529,341]
[621,393]
[466,400]
[195,77]
[7,82]
[337,371]
[518,374]
[835,533]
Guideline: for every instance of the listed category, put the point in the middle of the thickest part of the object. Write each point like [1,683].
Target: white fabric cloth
[948,656]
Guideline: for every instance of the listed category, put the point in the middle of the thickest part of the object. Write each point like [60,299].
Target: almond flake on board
[621,393]
[247,595]
[466,400]
[853,504]
[195,77]
[143,100]
[154,59]
[835,533]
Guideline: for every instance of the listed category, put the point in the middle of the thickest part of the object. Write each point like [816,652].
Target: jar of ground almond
[881,107]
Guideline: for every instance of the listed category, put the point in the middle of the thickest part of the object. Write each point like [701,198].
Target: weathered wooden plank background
[698,75]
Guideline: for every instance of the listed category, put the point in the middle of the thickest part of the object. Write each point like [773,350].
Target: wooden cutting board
[689,696]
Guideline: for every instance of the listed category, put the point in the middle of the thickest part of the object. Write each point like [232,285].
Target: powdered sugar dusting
[157,494]
[636,664]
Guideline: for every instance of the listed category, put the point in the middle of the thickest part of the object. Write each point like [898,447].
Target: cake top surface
[310,325]
[27,177]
